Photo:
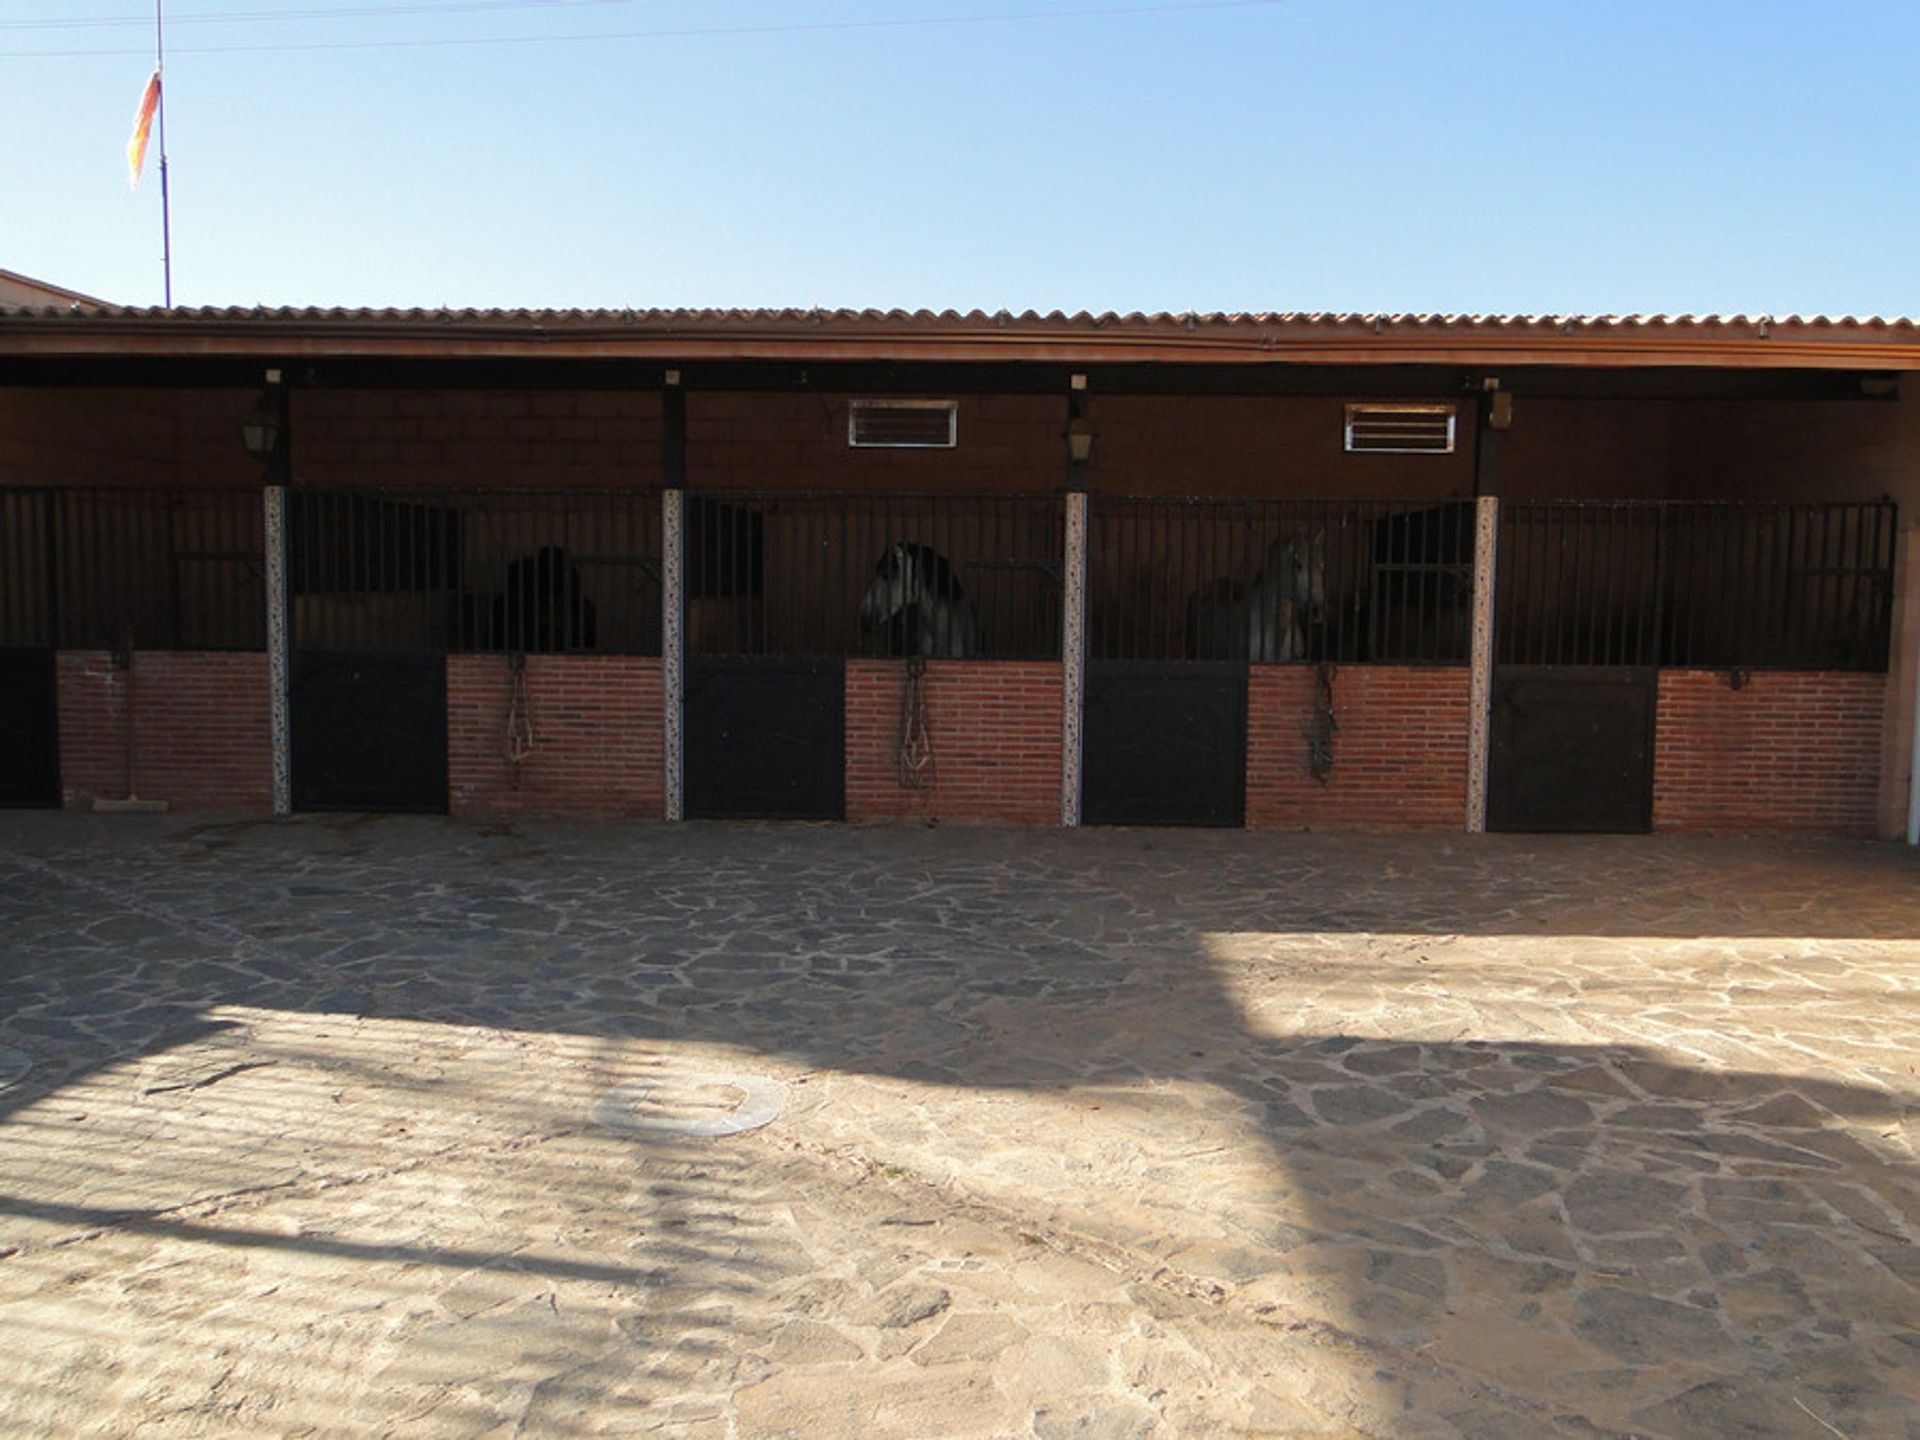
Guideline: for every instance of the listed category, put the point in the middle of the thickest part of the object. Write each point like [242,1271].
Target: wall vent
[1400,429]
[904,424]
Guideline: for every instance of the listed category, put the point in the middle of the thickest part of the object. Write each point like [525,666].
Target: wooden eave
[1736,344]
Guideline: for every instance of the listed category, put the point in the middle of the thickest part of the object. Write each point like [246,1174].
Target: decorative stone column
[673,648]
[1073,655]
[1486,551]
[279,725]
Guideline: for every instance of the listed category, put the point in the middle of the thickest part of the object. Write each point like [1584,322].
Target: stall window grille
[903,424]
[1271,581]
[1401,429]
[491,571]
[801,573]
[161,569]
[1697,585]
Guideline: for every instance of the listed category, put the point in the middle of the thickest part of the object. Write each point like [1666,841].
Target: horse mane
[936,571]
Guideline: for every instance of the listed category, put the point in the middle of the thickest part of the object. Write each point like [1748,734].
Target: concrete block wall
[1399,749]
[995,727]
[597,723]
[1786,752]
[201,739]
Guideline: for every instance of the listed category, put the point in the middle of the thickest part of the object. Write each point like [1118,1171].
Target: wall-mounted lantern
[264,431]
[1079,428]
[260,431]
[1079,440]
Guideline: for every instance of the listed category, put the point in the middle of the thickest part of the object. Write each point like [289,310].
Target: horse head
[915,590]
[1310,577]
[1288,598]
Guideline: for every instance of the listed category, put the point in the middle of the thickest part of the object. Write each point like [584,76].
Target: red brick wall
[201,736]
[747,441]
[1786,752]
[563,438]
[996,741]
[597,743]
[1399,753]
[126,437]
[1257,445]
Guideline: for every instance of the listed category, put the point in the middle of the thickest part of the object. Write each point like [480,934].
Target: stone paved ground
[1102,1134]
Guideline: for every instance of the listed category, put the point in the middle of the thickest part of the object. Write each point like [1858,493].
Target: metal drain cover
[639,1107]
[14,1065]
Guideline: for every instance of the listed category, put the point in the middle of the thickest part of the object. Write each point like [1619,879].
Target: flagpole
[166,209]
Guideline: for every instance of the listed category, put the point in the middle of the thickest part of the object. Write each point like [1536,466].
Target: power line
[701,32]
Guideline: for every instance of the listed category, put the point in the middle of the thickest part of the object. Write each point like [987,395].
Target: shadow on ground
[1098,1133]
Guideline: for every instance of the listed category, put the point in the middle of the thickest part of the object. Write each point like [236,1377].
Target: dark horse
[918,605]
[543,610]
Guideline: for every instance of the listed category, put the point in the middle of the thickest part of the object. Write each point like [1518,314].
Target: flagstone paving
[397,1126]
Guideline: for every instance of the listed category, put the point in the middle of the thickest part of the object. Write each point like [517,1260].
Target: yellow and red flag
[142,125]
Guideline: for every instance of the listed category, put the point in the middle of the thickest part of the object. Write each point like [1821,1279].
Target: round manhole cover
[701,1106]
[14,1065]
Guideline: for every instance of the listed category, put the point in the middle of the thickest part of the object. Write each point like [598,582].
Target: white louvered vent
[1400,429]
[904,424]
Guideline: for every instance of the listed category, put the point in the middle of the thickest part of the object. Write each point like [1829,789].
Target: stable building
[1525,573]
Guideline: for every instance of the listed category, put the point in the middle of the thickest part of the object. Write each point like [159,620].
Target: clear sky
[1607,156]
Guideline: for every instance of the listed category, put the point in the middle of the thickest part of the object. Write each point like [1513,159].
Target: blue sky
[1598,157]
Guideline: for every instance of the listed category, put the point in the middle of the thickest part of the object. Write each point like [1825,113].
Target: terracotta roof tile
[1304,336]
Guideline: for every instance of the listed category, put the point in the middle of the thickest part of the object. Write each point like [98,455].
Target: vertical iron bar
[52,579]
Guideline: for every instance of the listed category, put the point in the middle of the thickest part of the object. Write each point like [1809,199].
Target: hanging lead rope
[1321,727]
[916,741]
[520,738]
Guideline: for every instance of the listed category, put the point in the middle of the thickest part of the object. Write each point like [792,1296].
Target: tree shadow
[1474,1137]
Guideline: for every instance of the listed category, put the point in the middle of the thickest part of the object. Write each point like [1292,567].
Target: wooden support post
[1486,555]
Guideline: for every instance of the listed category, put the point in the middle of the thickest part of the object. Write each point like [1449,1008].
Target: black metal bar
[51,580]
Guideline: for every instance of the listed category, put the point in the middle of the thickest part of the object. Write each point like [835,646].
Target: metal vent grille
[1400,429]
[903,424]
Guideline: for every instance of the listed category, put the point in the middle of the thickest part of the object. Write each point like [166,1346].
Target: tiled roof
[24,290]
[939,320]
[1305,337]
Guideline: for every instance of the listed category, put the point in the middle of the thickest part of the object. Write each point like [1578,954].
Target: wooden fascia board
[1485,351]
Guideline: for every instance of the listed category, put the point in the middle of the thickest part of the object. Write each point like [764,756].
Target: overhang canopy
[1714,341]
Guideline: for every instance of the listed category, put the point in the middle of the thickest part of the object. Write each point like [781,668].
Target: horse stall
[1618,622]
[830,638]
[132,651]
[1217,630]
[29,709]
[431,629]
